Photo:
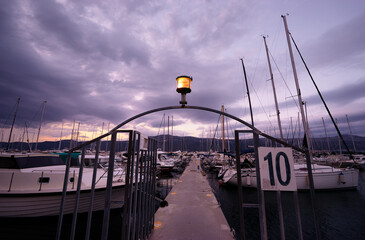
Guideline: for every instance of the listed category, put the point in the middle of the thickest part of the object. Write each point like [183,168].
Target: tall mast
[278,193]
[325,131]
[12,125]
[299,130]
[163,140]
[78,133]
[172,133]
[26,129]
[72,133]
[59,145]
[223,137]
[304,122]
[168,133]
[339,140]
[227,132]
[308,152]
[352,137]
[40,125]
[248,92]
[274,91]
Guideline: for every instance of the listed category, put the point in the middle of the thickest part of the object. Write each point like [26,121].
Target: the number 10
[277,167]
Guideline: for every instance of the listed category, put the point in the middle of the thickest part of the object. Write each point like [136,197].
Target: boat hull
[48,204]
[345,179]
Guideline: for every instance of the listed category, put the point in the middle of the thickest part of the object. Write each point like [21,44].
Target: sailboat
[324,177]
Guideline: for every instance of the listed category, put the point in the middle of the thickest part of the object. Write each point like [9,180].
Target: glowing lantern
[183,87]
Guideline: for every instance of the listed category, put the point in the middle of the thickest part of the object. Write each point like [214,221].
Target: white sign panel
[277,169]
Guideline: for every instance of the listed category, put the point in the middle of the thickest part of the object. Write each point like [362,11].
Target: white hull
[339,179]
[48,204]
[37,191]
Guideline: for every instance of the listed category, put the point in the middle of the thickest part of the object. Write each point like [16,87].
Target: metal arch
[189,107]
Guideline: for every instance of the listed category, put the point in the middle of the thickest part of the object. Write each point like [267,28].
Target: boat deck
[192,212]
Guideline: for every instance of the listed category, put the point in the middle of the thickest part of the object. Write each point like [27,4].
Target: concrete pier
[192,212]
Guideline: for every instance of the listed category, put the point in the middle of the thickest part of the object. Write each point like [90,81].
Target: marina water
[341,214]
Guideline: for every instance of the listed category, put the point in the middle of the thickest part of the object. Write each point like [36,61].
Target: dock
[192,212]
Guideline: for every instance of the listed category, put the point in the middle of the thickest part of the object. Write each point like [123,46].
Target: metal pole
[108,194]
[128,184]
[260,192]
[63,199]
[92,191]
[135,193]
[239,184]
[77,197]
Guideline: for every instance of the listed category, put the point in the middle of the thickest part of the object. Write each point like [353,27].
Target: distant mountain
[174,143]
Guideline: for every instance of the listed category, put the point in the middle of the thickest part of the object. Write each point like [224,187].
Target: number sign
[277,169]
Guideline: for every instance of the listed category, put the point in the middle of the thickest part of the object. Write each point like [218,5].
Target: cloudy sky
[102,62]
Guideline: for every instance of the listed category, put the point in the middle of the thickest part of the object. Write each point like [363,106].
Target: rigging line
[261,105]
[325,105]
[160,125]
[282,77]
[9,116]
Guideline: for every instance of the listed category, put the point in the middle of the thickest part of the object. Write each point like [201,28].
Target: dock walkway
[192,212]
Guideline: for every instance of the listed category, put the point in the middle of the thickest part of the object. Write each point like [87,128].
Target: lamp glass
[183,84]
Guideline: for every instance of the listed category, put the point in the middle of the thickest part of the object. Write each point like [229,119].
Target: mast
[59,145]
[278,193]
[163,140]
[325,132]
[227,132]
[299,130]
[72,133]
[308,152]
[12,125]
[352,137]
[339,140]
[304,122]
[274,91]
[26,129]
[223,137]
[168,133]
[248,92]
[172,133]
[78,133]
[40,125]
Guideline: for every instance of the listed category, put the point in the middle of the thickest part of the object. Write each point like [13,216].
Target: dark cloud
[339,45]
[106,61]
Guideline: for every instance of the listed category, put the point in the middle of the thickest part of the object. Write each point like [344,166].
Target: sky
[98,63]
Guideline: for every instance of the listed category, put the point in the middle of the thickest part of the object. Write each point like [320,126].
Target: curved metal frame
[189,107]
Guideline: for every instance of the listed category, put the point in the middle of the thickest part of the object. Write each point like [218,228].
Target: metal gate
[135,176]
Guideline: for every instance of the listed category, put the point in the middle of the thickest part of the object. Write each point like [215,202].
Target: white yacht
[165,163]
[31,185]
[324,177]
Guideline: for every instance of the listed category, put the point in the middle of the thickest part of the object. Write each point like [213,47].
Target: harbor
[179,120]
[341,214]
